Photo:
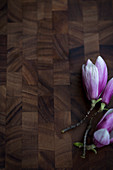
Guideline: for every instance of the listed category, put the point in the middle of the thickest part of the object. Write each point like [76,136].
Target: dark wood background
[43,44]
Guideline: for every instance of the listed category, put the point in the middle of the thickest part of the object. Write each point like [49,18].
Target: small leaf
[90,147]
[106,109]
[94,150]
[78,144]
[98,100]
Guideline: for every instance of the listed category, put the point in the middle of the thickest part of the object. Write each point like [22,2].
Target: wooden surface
[43,44]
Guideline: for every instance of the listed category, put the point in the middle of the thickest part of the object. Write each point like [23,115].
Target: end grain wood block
[60,22]
[46,123]
[2,78]
[29,43]
[45,38]
[30,120]
[90,16]
[30,23]
[3,44]
[3,17]
[14,11]
[46,139]
[76,57]
[46,160]
[75,10]
[30,139]
[29,159]
[14,40]
[2,139]
[13,147]
[2,98]
[62,120]
[63,151]
[76,87]
[45,109]
[91,40]
[105,10]
[78,110]
[14,112]
[29,5]
[45,62]
[14,27]
[106,33]
[14,84]
[3,59]
[60,47]
[76,34]
[29,98]
[30,72]
[14,60]
[62,98]
[45,82]
[45,28]
[59,5]
[63,142]
[44,9]
[61,73]
[105,51]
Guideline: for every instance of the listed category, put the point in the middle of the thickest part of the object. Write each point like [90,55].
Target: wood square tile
[30,98]
[62,98]
[14,60]
[30,25]
[14,11]
[60,47]
[61,5]
[30,47]
[29,72]
[14,111]
[45,82]
[14,84]
[3,98]
[45,109]
[60,22]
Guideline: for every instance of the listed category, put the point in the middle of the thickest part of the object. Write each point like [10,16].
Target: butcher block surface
[43,44]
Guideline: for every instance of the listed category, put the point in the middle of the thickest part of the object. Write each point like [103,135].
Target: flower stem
[86,132]
[79,123]
[85,137]
[93,103]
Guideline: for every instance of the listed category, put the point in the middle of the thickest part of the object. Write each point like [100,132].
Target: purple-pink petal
[106,123]
[104,118]
[90,79]
[101,138]
[103,73]
[108,92]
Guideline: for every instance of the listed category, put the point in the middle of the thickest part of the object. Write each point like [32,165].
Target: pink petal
[101,137]
[90,79]
[107,122]
[103,73]
[107,113]
[108,92]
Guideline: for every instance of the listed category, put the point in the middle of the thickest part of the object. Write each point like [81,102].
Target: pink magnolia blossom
[104,133]
[94,77]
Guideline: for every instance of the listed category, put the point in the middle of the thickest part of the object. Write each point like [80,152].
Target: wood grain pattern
[3,17]
[29,140]
[43,44]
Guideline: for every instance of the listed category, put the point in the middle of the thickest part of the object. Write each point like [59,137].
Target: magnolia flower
[104,133]
[108,92]
[94,77]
